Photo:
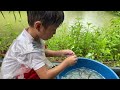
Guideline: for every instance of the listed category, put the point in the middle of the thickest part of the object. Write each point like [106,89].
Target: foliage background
[99,43]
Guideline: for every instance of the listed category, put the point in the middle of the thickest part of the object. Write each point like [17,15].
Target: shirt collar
[28,35]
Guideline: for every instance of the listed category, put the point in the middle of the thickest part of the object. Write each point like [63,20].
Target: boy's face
[48,32]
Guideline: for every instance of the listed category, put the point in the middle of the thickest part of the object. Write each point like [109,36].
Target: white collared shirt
[23,55]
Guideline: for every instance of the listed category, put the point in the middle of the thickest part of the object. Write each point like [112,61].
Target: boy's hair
[46,17]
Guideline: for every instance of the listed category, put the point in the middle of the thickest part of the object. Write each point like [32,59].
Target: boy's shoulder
[24,36]
[23,41]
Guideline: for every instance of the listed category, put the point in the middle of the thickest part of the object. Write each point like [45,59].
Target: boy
[26,57]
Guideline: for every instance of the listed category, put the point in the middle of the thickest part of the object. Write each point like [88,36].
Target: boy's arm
[45,73]
[51,53]
[60,53]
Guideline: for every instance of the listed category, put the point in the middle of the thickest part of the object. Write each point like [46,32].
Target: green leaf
[19,14]
[2,14]
[14,15]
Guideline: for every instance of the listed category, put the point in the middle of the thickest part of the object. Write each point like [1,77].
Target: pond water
[97,18]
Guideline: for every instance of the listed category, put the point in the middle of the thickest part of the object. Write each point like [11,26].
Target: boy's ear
[38,25]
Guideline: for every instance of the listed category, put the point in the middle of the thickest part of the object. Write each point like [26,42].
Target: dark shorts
[30,75]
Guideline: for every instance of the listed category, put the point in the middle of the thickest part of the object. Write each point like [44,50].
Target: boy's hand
[71,60]
[67,53]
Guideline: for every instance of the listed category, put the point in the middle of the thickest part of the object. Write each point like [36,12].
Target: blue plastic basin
[104,70]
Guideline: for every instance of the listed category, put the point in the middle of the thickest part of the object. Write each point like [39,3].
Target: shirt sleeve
[30,55]
[37,60]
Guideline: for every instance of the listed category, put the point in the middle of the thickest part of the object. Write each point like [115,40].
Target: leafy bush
[116,13]
[97,43]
